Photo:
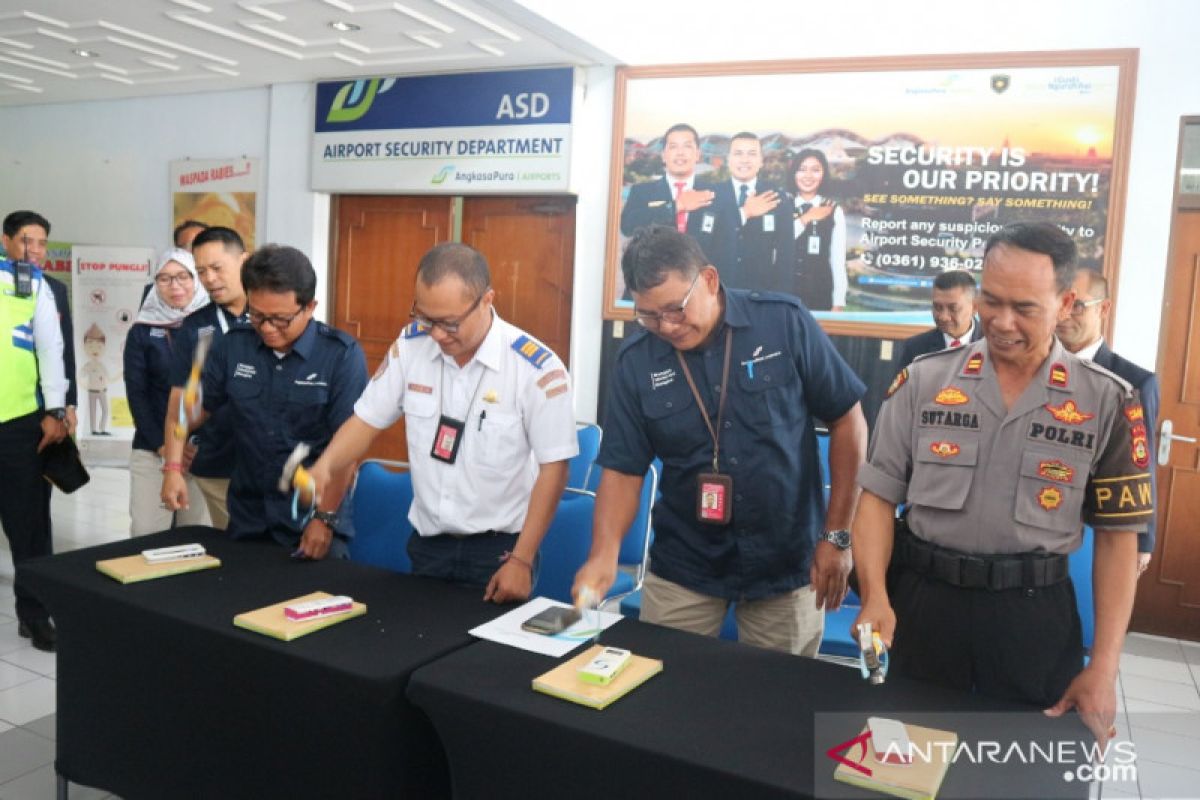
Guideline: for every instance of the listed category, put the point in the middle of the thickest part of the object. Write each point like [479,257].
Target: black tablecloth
[160,695]
[723,720]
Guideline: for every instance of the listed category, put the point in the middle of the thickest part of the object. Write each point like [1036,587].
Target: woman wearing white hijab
[175,293]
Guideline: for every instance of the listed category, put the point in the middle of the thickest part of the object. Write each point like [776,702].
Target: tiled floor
[1159,680]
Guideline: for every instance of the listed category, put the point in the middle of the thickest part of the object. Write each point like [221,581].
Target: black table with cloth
[722,720]
[160,695]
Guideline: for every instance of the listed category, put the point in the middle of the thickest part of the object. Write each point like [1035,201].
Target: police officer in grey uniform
[1000,449]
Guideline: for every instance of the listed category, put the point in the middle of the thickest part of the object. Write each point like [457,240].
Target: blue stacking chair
[582,470]
[380,500]
[1080,563]
[569,540]
[566,545]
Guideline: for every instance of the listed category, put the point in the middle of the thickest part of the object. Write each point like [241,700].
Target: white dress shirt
[517,414]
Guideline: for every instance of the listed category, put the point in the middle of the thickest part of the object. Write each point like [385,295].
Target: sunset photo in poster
[853,189]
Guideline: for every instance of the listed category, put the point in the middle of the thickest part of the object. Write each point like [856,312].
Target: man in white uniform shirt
[490,426]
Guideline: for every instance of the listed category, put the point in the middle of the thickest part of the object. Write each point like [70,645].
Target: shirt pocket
[420,419]
[500,441]
[245,395]
[771,397]
[307,408]
[1050,491]
[943,468]
[673,422]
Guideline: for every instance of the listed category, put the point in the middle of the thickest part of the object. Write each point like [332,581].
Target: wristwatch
[59,414]
[839,538]
[330,518]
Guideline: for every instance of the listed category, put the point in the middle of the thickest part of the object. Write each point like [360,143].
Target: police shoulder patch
[532,351]
[413,330]
[900,379]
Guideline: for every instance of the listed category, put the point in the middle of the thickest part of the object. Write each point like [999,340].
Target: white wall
[98,171]
[591,141]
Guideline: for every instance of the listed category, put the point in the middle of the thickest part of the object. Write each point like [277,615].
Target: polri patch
[945,449]
[1068,412]
[1058,375]
[951,396]
[531,351]
[1140,448]
[1050,497]
[1134,413]
[1056,470]
[900,379]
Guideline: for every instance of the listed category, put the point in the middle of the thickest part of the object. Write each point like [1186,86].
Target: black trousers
[1018,644]
[24,512]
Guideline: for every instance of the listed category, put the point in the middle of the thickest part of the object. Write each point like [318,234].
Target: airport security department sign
[445,134]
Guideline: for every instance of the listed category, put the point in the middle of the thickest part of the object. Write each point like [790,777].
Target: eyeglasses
[279,321]
[182,279]
[448,325]
[1080,306]
[672,315]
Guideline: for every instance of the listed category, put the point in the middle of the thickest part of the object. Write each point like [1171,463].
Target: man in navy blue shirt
[288,381]
[742,517]
[219,255]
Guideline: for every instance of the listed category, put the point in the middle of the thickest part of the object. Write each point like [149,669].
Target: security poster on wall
[107,292]
[218,192]
[853,183]
[504,131]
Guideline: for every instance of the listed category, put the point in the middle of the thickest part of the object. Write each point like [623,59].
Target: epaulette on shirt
[775,297]
[413,330]
[1126,386]
[334,333]
[937,353]
[532,351]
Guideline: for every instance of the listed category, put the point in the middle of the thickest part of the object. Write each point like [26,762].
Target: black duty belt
[994,573]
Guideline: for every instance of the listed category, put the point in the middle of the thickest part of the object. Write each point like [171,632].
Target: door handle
[1166,435]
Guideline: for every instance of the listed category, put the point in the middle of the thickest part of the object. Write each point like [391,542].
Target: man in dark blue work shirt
[742,516]
[291,380]
[219,255]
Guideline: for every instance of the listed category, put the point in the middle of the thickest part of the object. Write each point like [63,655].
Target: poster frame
[1125,60]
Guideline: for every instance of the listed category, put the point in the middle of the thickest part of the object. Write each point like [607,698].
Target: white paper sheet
[506,629]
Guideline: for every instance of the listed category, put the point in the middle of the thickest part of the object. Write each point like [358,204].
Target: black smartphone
[550,621]
[23,271]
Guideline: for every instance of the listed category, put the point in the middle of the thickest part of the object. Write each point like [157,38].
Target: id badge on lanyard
[447,439]
[713,498]
[714,491]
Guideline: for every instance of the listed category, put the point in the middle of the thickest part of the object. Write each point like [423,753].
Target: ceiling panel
[54,51]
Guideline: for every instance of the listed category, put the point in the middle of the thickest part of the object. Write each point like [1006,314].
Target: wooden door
[1168,597]
[529,244]
[378,241]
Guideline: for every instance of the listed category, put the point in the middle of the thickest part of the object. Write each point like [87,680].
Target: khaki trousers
[214,491]
[789,622]
[146,512]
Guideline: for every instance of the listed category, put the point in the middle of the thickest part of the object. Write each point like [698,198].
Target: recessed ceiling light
[344,27]
[79,51]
